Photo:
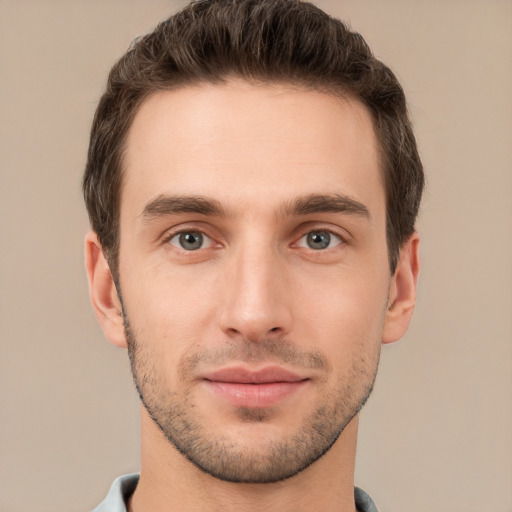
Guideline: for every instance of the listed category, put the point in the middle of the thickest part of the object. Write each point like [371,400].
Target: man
[252,184]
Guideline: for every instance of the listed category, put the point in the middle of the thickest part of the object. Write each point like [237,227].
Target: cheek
[345,315]
[170,310]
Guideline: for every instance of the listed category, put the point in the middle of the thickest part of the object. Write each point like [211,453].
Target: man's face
[254,272]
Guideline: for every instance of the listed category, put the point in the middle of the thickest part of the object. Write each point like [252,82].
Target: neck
[169,482]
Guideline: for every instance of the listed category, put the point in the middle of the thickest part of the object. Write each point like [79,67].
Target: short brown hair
[269,41]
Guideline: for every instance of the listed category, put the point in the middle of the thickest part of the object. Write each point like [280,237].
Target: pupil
[319,239]
[191,241]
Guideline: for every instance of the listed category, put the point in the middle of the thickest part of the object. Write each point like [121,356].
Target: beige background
[437,434]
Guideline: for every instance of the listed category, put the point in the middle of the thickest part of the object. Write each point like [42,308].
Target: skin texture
[280,193]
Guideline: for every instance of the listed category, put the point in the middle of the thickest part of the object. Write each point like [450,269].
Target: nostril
[274,329]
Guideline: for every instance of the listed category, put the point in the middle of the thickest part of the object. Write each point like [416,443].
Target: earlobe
[103,293]
[402,291]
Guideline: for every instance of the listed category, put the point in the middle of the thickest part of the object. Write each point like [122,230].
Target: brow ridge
[164,205]
[326,203]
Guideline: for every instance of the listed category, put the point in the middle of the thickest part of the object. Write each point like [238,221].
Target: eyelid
[304,245]
[205,239]
[302,231]
[190,228]
[340,233]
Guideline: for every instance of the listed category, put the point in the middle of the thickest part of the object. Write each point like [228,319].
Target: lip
[243,387]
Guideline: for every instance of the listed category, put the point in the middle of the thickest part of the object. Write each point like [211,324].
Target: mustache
[274,350]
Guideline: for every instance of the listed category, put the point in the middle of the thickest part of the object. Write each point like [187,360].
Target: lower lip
[255,395]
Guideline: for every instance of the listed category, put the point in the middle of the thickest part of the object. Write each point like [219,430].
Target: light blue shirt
[123,488]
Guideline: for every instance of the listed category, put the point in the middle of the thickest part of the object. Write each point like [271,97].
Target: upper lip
[241,375]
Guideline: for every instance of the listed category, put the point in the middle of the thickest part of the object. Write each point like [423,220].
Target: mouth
[260,388]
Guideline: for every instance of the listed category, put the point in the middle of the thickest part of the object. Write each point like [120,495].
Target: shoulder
[364,502]
[121,490]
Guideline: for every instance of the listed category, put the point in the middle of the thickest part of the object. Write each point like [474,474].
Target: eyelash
[338,239]
[341,240]
[168,239]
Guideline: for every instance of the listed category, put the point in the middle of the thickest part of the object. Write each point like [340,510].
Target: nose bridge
[255,302]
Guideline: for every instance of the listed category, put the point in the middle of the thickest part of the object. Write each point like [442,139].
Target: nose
[256,301]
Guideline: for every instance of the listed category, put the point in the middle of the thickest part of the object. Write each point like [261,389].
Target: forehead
[247,144]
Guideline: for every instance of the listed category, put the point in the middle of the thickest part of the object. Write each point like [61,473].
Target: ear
[402,291]
[103,293]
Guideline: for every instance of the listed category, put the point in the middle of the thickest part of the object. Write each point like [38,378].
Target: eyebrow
[164,205]
[171,205]
[326,203]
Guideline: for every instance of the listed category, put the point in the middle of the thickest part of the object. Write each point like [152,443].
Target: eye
[190,240]
[319,240]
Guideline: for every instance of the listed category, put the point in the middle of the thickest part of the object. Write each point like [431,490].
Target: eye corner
[189,240]
[320,239]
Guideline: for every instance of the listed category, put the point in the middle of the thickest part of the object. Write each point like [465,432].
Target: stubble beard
[232,460]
